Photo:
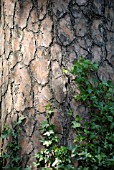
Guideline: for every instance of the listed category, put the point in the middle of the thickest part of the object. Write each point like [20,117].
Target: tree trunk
[39,39]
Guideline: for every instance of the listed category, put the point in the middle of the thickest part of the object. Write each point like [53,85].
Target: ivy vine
[93,145]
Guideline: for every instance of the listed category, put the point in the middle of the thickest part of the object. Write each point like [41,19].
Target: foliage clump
[94,141]
[52,155]
[10,157]
[93,146]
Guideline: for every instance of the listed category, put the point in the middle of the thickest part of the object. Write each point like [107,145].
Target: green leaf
[45,124]
[110,118]
[75,124]
[94,66]
[70,112]
[21,118]
[65,71]
[77,118]
[89,90]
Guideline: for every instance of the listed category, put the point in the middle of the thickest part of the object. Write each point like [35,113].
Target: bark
[38,40]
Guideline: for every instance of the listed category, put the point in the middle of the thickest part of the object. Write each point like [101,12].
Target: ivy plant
[94,142]
[52,156]
[10,157]
[93,146]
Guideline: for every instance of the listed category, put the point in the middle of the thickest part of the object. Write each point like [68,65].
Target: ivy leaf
[46,143]
[65,71]
[75,124]
[20,120]
[78,118]
[45,124]
[55,162]
[94,66]
[110,118]
[48,133]
[89,90]
[112,125]
[70,112]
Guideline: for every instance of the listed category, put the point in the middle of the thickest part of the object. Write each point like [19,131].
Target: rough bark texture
[38,39]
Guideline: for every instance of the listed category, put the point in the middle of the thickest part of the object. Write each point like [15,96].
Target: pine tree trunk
[38,40]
